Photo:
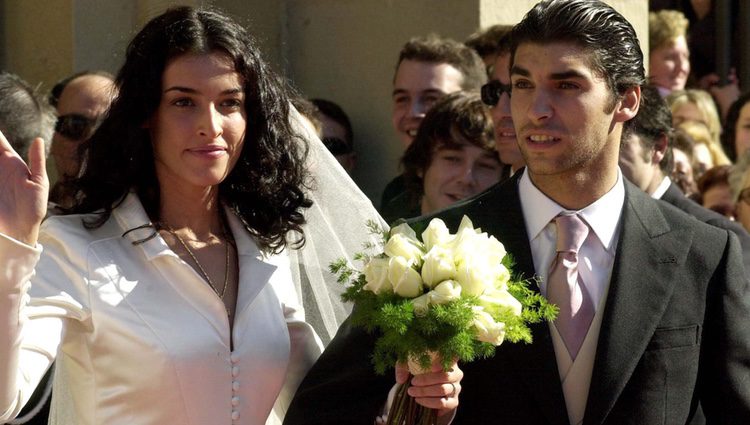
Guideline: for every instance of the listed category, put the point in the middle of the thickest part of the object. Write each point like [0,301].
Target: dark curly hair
[266,186]
[729,136]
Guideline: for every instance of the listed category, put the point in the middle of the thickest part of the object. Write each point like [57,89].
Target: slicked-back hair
[438,50]
[652,122]
[24,114]
[266,186]
[593,25]
[455,120]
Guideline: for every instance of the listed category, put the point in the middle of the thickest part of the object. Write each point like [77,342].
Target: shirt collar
[539,210]
[662,188]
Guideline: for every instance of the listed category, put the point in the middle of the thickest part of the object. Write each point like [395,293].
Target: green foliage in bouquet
[441,293]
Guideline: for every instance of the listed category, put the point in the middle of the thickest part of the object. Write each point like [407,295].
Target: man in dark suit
[646,160]
[669,293]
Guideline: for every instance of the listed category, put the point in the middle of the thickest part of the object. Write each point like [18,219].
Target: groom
[665,335]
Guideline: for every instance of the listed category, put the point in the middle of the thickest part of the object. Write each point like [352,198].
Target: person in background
[669,57]
[646,160]
[714,191]
[485,42]
[81,100]
[337,133]
[24,114]
[739,182]
[695,105]
[24,117]
[452,158]
[496,95]
[736,136]
[427,69]
[706,153]
[682,156]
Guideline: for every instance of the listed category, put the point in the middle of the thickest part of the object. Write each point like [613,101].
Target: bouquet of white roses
[450,295]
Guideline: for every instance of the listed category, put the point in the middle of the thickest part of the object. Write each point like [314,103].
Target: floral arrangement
[446,295]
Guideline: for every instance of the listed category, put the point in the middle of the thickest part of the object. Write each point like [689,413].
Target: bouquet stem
[406,411]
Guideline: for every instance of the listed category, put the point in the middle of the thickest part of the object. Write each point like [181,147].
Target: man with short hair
[427,69]
[24,115]
[653,305]
[646,160]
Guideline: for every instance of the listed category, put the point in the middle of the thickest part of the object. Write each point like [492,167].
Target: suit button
[235,371]
[234,357]
[235,385]
[235,415]
[235,401]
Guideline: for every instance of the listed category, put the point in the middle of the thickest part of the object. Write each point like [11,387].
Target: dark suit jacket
[674,196]
[674,334]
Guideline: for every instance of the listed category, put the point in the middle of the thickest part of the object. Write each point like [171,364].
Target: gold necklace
[200,268]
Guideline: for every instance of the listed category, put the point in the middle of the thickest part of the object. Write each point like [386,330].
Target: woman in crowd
[736,136]
[166,294]
[706,152]
[669,57]
[452,157]
[739,181]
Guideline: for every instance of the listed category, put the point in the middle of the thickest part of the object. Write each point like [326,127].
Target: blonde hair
[701,135]
[705,104]
[665,26]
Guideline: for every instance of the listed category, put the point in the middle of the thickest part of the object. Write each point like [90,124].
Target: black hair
[728,137]
[266,186]
[335,112]
[593,25]
[652,122]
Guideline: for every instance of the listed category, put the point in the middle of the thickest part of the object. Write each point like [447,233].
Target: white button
[235,371]
[235,385]
[235,401]
[234,357]
[235,415]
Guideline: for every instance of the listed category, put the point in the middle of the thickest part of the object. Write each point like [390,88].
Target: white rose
[494,249]
[421,305]
[500,299]
[405,280]
[476,275]
[376,275]
[436,234]
[487,329]
[405,230]
[445,292]
[399,245]
[438,266]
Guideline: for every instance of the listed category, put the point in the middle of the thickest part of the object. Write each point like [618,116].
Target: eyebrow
[189,90]
[563,75]
[428,91]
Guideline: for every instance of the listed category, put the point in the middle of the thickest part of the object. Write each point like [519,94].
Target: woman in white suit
[165,295]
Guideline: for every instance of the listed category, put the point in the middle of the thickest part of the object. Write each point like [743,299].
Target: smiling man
[653,303]
[428,68]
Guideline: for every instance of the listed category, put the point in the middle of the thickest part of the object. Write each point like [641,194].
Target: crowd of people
[177,269]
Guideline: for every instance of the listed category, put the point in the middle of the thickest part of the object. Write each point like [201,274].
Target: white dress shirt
[138,335]
[596,258]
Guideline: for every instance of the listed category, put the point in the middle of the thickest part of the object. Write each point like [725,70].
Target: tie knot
[571,232]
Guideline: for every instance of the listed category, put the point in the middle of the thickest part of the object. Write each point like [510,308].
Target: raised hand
[23,191]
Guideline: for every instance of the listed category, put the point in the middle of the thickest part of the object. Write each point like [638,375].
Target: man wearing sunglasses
[496,95]
[337,133]
[81,100]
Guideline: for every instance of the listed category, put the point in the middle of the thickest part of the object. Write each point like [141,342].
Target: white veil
[335,228]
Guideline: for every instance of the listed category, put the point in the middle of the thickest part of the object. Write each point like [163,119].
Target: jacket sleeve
[724,371]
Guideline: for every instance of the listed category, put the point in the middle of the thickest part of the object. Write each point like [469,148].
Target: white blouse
[138,336]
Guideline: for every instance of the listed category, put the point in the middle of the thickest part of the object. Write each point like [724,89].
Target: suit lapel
[648,252]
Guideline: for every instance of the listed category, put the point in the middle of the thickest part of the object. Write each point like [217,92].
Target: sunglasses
[336,145]
[75,126]
[492,91]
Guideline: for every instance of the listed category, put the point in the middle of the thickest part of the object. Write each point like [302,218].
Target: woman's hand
[437,389]
[23,191]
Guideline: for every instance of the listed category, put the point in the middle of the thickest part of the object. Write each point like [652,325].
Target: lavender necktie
[565,287]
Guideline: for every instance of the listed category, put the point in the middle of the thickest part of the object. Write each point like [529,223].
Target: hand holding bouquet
[445,296]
